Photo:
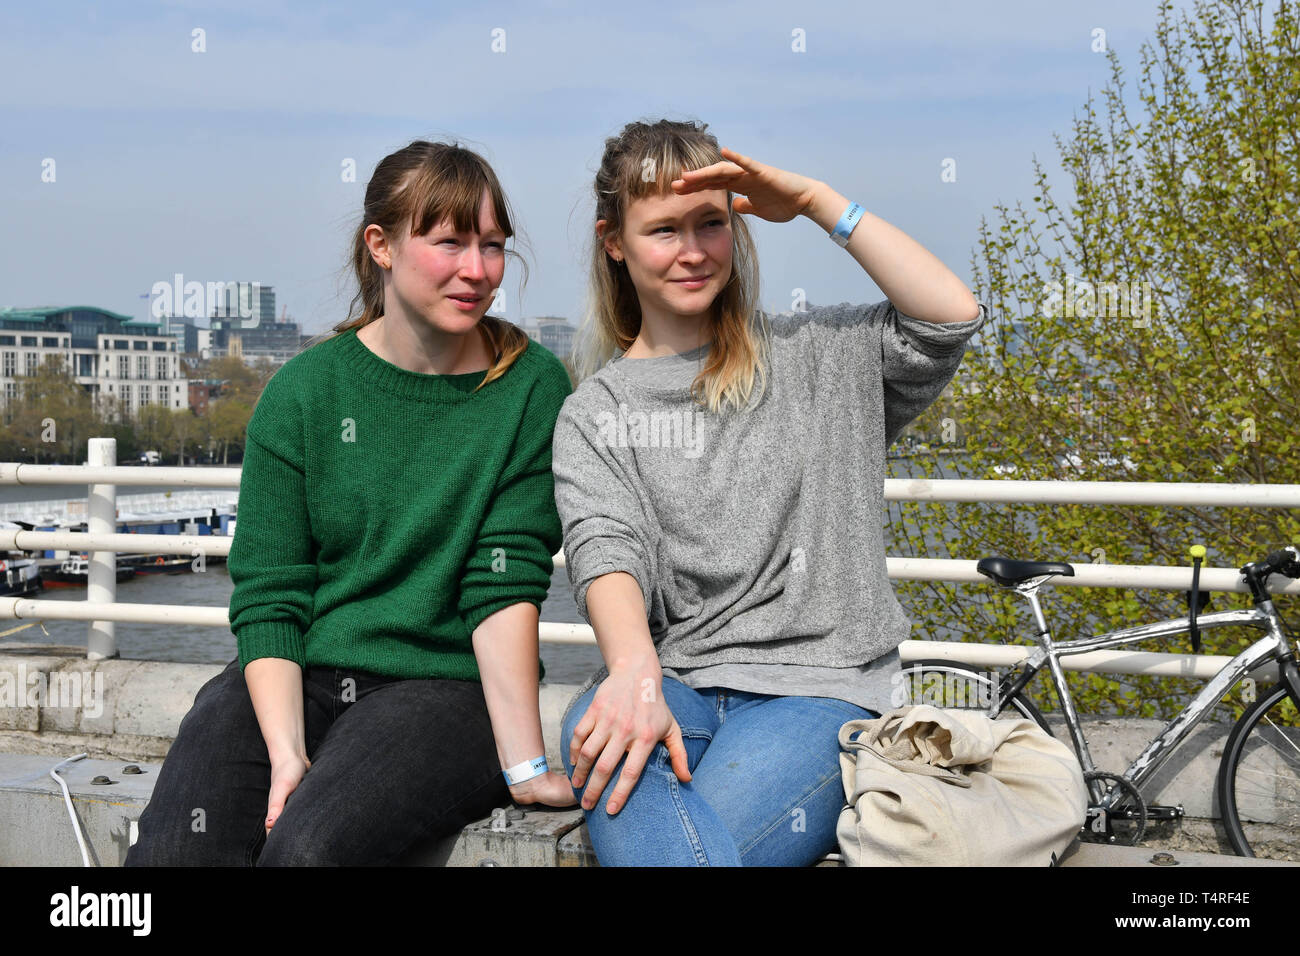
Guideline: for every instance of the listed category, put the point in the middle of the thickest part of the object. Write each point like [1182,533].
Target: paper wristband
[525,771]
[844,228]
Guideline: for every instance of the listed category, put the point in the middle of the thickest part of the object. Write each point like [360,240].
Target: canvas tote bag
[932,787]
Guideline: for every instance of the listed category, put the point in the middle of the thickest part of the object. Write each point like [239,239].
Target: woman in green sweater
[396,527]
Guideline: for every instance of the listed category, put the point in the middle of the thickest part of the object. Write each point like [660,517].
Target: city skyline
[238,165]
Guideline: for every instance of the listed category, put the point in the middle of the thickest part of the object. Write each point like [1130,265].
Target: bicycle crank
[1121,824]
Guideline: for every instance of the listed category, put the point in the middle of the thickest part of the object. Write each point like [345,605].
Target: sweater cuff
[510,598]
[283,639]
[940,338]
[596,558]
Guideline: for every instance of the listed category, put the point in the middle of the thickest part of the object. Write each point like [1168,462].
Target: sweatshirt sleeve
[513,553]
[605,528]
[272,560]
[918,359]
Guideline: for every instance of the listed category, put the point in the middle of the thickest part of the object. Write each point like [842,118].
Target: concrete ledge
[116,708]
[1094,854]
[35,828]
[60,704]
[54,705]
[108,813]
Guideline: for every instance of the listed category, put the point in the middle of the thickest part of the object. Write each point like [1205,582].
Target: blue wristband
[844,228]
[525,771]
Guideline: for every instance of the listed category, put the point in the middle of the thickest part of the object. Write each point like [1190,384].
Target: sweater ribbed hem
[282,639]
[426,664]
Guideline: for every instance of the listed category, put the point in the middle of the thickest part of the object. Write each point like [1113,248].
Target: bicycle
[1259,775]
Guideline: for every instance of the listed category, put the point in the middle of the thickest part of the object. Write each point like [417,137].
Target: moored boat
[74,572]
[19,575]
[156,563]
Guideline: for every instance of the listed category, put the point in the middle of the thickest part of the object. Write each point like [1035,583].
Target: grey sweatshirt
[756,536]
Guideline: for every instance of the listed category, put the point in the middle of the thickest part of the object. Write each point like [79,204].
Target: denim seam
[688,825]
[253,851]
[664,765]
[781,821]
[696,732]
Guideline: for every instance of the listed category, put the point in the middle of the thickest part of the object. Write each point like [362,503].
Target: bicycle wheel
[1259,779]
[951,684]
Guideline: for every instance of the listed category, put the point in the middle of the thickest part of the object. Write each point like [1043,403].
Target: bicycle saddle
[1007,572]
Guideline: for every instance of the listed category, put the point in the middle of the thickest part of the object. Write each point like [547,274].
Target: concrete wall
[53,701]
[54,704]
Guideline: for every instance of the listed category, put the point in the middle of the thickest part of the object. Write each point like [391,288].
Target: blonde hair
[641,161]
[410,192]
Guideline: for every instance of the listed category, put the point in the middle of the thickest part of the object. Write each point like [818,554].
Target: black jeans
[393,762]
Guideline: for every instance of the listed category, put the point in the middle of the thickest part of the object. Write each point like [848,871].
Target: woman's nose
[691,250]
[471,263]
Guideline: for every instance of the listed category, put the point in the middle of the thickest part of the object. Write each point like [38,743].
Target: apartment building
[109,354]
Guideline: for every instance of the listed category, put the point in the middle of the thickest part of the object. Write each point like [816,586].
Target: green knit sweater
[383,513]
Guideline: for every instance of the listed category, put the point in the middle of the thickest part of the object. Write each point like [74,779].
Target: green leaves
[1201,389]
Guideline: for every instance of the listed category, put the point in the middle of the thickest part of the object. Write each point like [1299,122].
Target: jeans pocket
[696,741]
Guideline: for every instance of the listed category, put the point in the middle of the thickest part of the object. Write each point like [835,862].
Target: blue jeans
[765,784]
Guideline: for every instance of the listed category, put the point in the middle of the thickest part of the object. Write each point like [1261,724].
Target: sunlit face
[446,277]
[677,250]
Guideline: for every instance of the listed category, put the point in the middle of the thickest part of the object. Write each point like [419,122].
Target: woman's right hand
[628,715]
[286,774]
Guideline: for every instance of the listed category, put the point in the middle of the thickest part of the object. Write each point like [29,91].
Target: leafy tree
[52,416]
[241,381]
[153,426]
[1146,330]
[187,431]
[228,419]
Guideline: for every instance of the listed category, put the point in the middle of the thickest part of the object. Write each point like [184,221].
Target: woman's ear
[613,247]
[380,248]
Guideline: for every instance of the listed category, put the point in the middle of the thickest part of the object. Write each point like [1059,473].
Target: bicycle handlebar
[1285,561]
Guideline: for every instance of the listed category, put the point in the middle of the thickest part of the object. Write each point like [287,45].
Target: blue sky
[225,164]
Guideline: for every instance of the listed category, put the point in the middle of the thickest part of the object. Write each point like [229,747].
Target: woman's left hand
[765,191]
[550,789]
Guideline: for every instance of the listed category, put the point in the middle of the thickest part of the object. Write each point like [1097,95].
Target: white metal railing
[115,474]
[12,539]
[1173,494]
[102,542]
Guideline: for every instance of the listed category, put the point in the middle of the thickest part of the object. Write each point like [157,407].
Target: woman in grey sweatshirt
[719,477]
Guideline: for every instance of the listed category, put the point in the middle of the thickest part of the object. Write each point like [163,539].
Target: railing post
[101,577]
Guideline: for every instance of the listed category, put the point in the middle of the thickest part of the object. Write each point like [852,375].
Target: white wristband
[526,770]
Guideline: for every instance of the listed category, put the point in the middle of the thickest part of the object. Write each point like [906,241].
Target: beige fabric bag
[932,787]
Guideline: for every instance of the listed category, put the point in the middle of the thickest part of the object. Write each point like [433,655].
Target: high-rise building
[251,302]
[185,331]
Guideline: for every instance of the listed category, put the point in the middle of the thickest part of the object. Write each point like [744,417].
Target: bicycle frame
[1271,647]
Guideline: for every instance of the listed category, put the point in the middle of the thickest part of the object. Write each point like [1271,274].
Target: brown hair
[410,192]
[643,160]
